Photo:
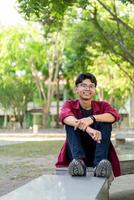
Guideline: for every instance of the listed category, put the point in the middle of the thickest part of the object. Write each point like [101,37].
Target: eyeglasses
[85,86]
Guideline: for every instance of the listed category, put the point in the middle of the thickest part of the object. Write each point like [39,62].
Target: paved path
[30,131]
[28,135]
[4,143]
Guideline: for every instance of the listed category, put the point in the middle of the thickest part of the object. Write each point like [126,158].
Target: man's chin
[86,98]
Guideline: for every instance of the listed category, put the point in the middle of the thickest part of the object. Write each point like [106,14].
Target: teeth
[87,93]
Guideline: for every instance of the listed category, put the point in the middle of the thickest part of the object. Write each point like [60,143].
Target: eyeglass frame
[85,86]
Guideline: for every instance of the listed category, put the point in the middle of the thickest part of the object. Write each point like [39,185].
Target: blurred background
[44,45]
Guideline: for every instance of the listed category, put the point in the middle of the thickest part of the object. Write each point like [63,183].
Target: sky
[8,14]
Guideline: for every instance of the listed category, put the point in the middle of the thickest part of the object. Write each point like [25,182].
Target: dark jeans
[81,145]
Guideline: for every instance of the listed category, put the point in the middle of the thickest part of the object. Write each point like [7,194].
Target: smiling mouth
[87,93]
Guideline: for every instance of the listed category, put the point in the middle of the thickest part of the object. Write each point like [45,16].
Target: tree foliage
[17,85]
[112,19]
[97,36]
[47,12]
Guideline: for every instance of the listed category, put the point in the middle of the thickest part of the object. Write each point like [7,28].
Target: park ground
[20,163]
[24,161]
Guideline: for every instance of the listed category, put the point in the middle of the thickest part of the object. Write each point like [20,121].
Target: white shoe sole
[75,168]
[104,169]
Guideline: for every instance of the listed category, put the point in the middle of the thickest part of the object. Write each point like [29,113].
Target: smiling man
[88,125]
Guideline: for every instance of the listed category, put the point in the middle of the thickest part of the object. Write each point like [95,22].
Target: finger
[81,126]
[96,137]
[76,125]
[93,136]
[84,128]
[98,140]
[99,137]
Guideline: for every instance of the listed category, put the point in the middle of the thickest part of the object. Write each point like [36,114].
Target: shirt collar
[94,106]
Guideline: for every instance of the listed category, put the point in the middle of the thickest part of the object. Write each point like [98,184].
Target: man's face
[86,89]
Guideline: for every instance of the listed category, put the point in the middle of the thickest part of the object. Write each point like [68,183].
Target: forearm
[70,120]
[106,117]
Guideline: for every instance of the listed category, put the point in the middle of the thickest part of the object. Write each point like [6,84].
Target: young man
[88,125]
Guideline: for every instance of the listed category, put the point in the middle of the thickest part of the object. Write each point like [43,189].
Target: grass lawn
[22,162]
[31,149]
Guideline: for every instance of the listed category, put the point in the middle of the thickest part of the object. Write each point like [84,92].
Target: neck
[85,104]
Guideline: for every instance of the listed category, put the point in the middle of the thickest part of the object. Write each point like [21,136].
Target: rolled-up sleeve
[66,111]
[109,109]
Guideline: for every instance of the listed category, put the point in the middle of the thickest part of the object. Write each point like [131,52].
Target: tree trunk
[45,115]
[5,120]
[132,107]
[57,119]
[110,99]
[53,55]
[101,94]
[20,119]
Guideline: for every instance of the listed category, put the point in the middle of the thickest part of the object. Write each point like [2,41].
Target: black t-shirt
[86,113]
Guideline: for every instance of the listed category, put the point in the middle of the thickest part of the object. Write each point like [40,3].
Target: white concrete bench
[61,187]
[121,137]
[127,163]
[122,188]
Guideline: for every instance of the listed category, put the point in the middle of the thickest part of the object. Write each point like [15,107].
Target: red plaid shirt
[72,108]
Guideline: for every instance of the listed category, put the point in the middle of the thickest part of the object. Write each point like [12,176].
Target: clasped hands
[84,125]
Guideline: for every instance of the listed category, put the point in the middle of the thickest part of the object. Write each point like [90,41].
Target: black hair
[84,76]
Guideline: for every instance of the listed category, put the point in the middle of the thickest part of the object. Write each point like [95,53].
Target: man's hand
[95,134]
[83,123]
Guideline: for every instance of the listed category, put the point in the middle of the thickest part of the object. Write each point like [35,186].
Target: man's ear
[76,90]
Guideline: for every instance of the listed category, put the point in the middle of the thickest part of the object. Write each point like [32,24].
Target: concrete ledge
[127,164]
[121,138]
[64,171]
[61,187]
[122,188]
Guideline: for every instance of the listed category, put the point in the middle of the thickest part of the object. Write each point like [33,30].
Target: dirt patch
[16,171]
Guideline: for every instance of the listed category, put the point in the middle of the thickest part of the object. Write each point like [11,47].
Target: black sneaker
[103,169]
[77,168]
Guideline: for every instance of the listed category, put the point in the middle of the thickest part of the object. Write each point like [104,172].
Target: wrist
[93,118]
[87,129]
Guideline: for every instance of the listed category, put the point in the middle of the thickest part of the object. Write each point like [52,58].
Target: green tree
[47,82]
[15,94]
[83,52]
[111,27]
[17,84]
